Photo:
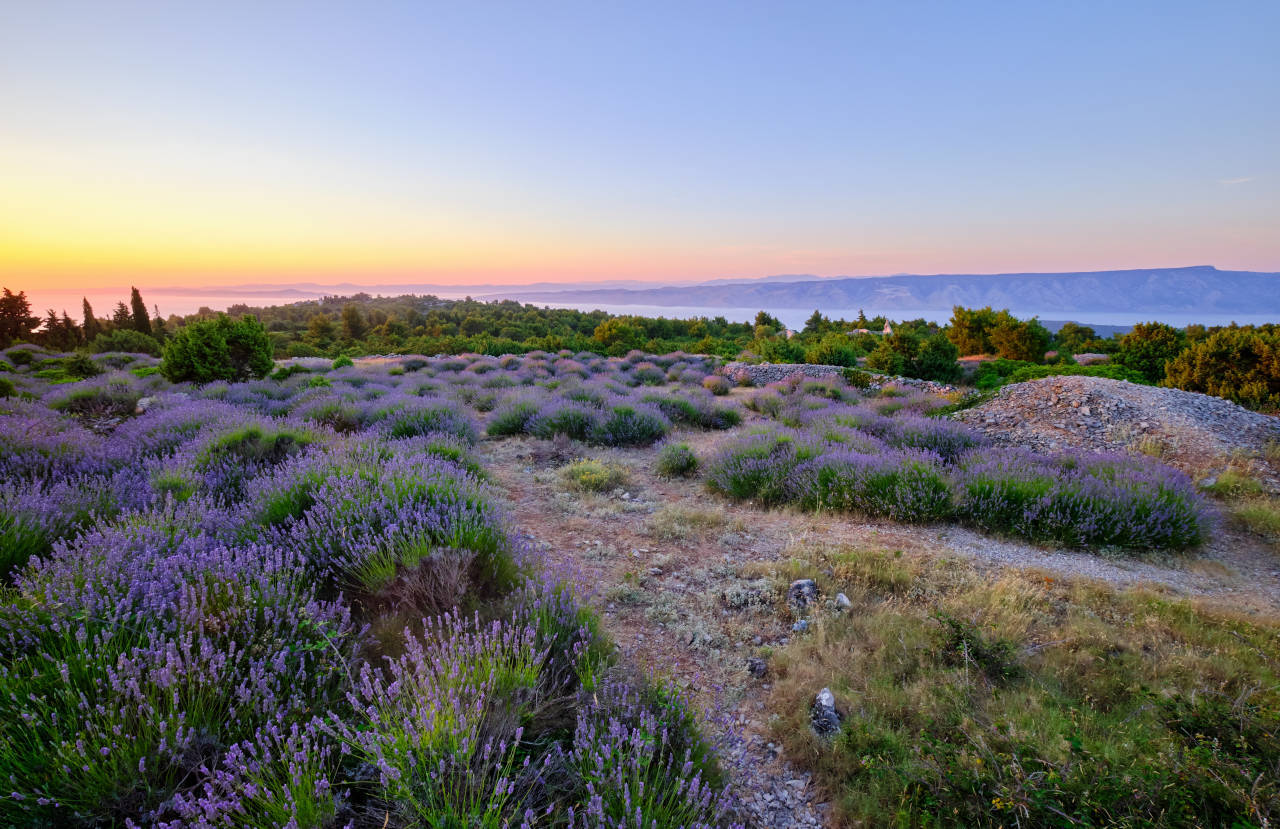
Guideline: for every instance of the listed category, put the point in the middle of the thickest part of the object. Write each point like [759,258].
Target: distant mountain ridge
[1202,288]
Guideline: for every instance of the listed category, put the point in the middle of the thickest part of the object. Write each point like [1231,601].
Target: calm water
[170,303]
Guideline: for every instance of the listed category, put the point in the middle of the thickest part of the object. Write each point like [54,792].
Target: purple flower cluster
[200,596]
[884,456]
[1080,499]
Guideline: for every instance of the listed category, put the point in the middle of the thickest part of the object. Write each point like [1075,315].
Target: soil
[696,606]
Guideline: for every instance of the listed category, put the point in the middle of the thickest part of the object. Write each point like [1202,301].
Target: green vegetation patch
[1028,700]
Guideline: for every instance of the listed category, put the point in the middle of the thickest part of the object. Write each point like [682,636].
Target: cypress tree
[141,322]
[92,327]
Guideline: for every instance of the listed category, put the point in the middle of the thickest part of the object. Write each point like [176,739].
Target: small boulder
[802,593]
[800,626]
[842,602]
[823,716]
[757,667]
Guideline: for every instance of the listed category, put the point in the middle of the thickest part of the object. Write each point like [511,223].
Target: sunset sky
[224,143]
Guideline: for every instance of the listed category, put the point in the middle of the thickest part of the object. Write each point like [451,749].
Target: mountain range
[1199,289]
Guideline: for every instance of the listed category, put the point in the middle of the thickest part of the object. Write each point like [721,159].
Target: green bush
[833,349]
[6,387]
[80,366]
[1240,364]
[128,340]
[593,476]
[676,460]
[1148,348]
[217,349]
[343,362]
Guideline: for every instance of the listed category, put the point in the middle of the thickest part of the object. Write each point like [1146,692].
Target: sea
[188,301]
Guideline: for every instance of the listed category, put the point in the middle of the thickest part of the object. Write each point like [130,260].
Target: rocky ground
[761,374]
[1194,432]
[687,583]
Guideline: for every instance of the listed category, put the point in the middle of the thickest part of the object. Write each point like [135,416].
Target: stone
[800,626]
[842,602]
[823,716]
[802,593]
[757,667]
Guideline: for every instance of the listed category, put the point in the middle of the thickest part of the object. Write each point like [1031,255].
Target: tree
[885,358]
[60,333]
[320,330]
[778,350]
[619,334]
[141,321]
[353,323]
[764,318]
[1074,338]
[915,351]
[970,329]
[217,349]
[1149,347]
[834,349]
[1240,364]
[16,322]
[1013,339]
[92,327]
[817,324]
[126,340]
[936,360]
[158,329]
[121,318]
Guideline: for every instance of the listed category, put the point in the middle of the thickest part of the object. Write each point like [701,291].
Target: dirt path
[678,576]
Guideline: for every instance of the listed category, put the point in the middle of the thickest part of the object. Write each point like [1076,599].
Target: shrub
[1080,500]
[676,460]
[857,379]
[589,475]
[80,366]
[627,425]
[717,385]
[758,466]
[6,387]
[342,362]
[432,418]
[127,340]
[217,349]
[1240,364]
[1148,348]
[557,417]
[905,486]
[511,417]
[115,395]
[833,350]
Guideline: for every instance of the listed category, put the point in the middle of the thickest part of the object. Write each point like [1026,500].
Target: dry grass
[677,522]
[1018,698]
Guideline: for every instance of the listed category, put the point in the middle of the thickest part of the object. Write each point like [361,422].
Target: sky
[206,144]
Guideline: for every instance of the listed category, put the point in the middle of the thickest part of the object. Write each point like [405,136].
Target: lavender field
[295,601]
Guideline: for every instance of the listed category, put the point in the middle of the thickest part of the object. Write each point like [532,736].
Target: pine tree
[16,322]
[157,325]
[121,318]
[92,327]
[141,322]
[74,337]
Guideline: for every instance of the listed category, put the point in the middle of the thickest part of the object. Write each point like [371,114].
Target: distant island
[1200,289]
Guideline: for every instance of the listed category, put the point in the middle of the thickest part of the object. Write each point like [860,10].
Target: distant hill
[1202,289]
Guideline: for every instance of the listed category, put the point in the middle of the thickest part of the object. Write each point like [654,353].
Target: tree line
[1241,363]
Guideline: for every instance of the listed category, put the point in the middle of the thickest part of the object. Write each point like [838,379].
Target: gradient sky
[222,143]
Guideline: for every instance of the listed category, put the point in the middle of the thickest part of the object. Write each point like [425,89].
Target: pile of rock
[1184,428]
[762,374]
